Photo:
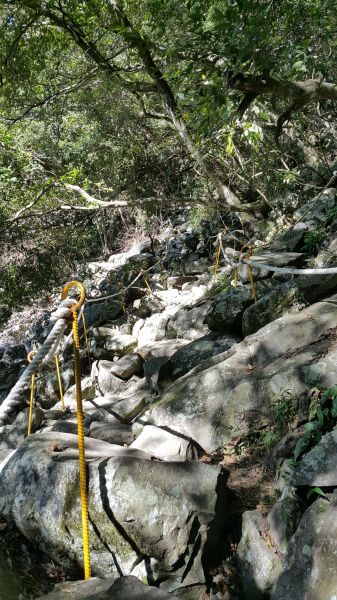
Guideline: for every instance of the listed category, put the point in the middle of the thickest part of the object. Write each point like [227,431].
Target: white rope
[49,348]
[289,270]
[274,269]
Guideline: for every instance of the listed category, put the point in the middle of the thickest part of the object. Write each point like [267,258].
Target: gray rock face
[152,329]
[164,445]
[290,241]
[310,564]
[327,256]
[128,365]
[192,354]
[104,379]
[124,409]
[314,288]
[138,508]
[108,343]
[227,310]
[48,386]
[284,518]
[316,211]
[155,355]
[287,298]
[87,387]
[125,588]
[260,563]
[12,435]
[100,415]
[123,405]
[192,265]
[221,397]
[101,312]
[189,322]
[113,433]
[147,306]
[319,466]
[272,306]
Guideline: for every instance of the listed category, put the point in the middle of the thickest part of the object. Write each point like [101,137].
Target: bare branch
[20,213]
[55,95]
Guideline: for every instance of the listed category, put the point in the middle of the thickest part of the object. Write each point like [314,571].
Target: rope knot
[63,311]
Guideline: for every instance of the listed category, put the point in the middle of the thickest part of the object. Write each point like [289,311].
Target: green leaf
[320,416]
[316,490]
[313,408]
[301,446]
[334,407]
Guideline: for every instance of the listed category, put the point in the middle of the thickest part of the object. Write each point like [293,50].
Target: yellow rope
[251,279]
[81,450]
[32,389]
[80,428]
[58,371]
[147,283]
[217,259]
[235,278]
[31,404]
[250,270]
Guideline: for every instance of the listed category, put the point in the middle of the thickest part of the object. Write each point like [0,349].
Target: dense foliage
[106,106]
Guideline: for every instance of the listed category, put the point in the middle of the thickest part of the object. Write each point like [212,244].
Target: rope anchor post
[80,430]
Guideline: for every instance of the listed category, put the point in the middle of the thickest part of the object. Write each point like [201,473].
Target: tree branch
[307,91]
[19,214]
[299,93]
[51,97]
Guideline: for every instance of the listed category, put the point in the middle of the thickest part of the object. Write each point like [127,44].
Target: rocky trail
[196,402]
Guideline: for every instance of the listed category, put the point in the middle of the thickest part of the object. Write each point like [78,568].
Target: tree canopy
[109,106]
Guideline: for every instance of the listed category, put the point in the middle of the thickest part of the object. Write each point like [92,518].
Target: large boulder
[48,390]
[317,210]
[123,407]
[164,445]
[128,365]
[103,311]
[287,298]
[328,255]
[124,588]
[152,329]
[310,564]
[185,297]
[226,394]
[146,306]
[147,518]
[192,354]
[318,468]
[108,343]
[87,387]
[290,241]
[280,301]
[155,355]
[260,562]
[284,518]
[226,311]
[12,435]
[104,379]
[189,322]
[113,433]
